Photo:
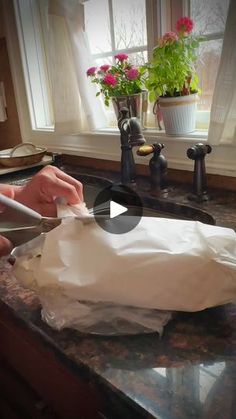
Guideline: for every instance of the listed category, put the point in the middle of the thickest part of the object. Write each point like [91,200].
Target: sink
[152,207]
[170,209]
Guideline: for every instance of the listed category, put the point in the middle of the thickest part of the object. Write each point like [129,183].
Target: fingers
[59,188]
[50,183]
[8,191]
[77,185]
[45,209]
[5,246]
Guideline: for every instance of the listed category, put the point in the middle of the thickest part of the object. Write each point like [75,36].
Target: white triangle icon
[116,209]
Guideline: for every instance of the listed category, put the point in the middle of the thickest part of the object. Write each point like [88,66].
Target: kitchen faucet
[130,136]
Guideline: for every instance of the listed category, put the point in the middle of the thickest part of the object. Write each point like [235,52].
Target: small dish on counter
[22,155]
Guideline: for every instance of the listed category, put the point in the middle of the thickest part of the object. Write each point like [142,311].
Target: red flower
[110,80]
[132,73]
[168,38]
[91,71]
[184,25]
[121,57]
[105,67]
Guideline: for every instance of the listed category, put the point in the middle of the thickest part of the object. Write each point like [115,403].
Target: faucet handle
[147,149]
[198,151]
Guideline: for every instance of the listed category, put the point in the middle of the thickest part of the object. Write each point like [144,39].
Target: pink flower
[132,73]
[105,67]
[168,38]
[91,71]
[110,80]
[121,57]
[184,25]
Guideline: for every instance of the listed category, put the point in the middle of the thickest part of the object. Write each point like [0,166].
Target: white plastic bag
[60,311]
[163,264]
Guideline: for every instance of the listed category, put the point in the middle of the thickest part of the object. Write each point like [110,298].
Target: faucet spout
[136,137]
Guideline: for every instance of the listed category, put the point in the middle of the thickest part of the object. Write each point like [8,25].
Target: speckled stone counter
[189,373]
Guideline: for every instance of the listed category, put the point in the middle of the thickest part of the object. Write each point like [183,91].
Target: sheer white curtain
[222,128]
[75,106]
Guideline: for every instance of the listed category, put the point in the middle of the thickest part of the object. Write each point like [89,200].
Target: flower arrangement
[172,70]
[121,79]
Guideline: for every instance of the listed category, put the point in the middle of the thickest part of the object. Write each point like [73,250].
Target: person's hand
[40,192]
[5,246]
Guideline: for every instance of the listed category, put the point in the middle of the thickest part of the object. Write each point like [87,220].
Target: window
[209,18]
[110,30]
[124,29]
[115,26]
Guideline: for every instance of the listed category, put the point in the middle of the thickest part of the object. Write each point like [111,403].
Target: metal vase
[137,105]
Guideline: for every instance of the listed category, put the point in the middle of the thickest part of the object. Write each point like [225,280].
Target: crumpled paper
[162,264]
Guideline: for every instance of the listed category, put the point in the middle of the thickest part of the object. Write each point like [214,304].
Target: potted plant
[172,79]
[122,83]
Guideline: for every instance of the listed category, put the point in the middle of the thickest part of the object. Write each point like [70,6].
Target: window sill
[154,133]
[105,144]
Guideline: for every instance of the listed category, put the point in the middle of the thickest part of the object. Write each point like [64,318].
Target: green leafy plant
[121,79]
[172,71]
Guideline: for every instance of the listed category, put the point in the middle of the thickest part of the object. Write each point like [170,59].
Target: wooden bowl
[24,154]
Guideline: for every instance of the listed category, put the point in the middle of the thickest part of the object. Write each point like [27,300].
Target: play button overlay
[122,208]
[116,209]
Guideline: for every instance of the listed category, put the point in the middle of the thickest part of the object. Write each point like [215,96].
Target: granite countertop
[188,373]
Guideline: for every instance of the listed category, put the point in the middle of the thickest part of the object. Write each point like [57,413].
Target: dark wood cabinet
[34,383]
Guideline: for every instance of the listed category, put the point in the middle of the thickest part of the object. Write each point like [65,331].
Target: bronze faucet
[130,136]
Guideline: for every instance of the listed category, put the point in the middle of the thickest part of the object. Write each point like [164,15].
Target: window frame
[33,62]
[105,144]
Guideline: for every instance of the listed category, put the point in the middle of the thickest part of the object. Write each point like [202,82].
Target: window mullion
[177,11]
[186,7]
[213,36]
[112,28]
[153,25]
[164,15]
[158,18]
[116,51]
